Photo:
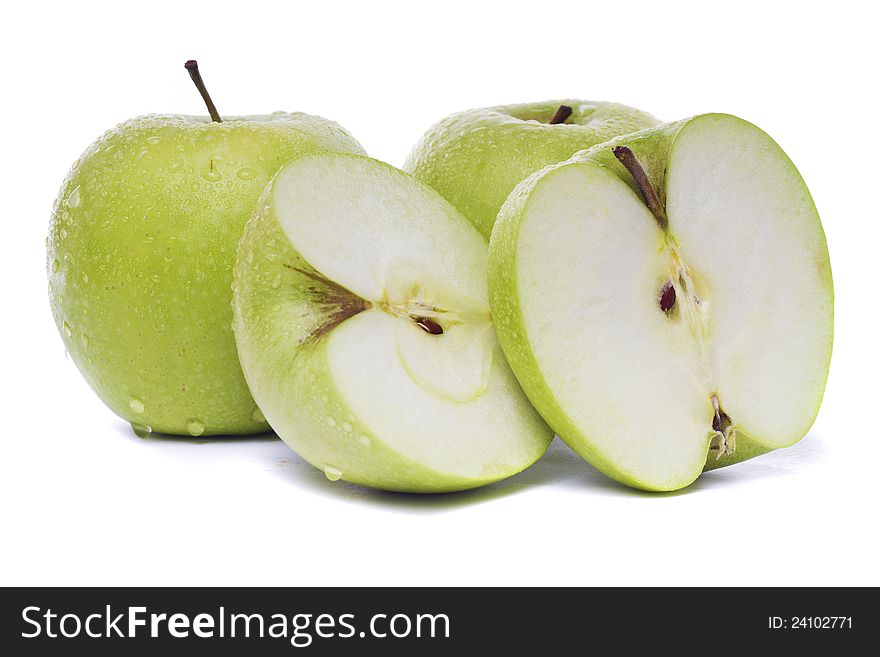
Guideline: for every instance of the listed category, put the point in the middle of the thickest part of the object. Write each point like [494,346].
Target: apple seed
[667,298]
[428,325]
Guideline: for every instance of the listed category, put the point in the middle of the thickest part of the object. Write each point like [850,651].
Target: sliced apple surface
[362,321]
[666,301]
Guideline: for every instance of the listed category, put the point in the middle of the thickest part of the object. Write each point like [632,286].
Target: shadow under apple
[559,467]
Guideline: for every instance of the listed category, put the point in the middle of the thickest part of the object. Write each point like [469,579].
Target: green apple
[665,299]
[140,254]
[361,316]
[475,158]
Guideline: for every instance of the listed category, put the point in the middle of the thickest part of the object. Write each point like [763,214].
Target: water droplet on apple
[142,152]
[56,265]
[62,233]
[194,187]
[195,428]
[141,430]
[154,140]
[136,405]
[73,199]
[85,277]
[246,173]
[211,175]
[330,422]
[333,474]
[66,328]
[346,426]
[257,415]
[85,340]
[364,440]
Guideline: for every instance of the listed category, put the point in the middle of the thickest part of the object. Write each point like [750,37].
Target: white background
[83,501]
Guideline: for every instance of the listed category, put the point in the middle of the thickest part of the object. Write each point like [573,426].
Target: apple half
[665,299]
[362,321]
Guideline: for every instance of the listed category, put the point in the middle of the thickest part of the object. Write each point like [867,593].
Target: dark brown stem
[338,302]
[562,113]
[193,67]
[626,157]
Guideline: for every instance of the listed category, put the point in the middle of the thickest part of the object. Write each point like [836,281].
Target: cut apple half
[362,321]
[666,301]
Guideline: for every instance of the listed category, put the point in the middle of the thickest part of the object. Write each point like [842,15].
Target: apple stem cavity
[193,67]
[562,113]
[628,159]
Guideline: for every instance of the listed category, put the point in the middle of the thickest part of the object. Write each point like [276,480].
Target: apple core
[691,264]
[723,440]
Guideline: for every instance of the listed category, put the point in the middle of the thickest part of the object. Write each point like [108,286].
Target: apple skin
[652,147]
[476,158]
[140,255]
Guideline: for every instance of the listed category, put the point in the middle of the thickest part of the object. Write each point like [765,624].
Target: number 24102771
[810,623]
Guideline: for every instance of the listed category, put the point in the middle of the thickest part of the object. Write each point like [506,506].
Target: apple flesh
[475,158]
[140,255]
[362,321]
[666,300]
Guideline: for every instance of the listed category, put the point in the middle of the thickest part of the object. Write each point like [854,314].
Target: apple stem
[562,113]
[628,159]
[193,67]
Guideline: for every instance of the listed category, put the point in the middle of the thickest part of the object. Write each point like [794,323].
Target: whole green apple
[140,254]
[475,158]
[665,299]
